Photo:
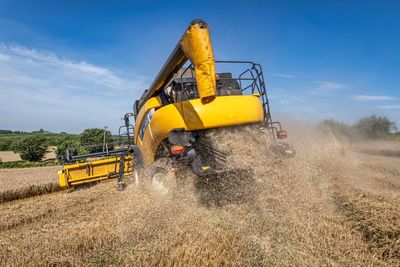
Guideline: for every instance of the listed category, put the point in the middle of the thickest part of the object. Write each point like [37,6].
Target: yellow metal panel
[193,115]
[92,171]
[163,121]
[154,102]
[62,179]
[223,111]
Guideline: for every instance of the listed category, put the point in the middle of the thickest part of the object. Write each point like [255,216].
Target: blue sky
[70,65]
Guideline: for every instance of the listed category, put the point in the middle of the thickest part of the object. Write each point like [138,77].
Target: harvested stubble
[282,213]
[27,182]
[29,191]
[376,219]
[21,178]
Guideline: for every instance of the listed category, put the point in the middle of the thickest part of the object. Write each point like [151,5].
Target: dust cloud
[328,205]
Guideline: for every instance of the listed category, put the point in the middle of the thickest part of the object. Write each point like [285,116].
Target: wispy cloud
[4,57]
[372,97]
[390,107]
[328,85]
[326,88]
[45,90]
[284,75]
[289,99]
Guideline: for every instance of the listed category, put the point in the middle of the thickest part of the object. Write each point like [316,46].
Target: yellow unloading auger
[173,115]
[194,45]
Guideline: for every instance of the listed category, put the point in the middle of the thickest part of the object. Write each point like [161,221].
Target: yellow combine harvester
[174,114]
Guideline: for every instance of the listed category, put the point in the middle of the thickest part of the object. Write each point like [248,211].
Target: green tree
[62,149]
[31,148]
[375,126]
[5,145]
[94,136]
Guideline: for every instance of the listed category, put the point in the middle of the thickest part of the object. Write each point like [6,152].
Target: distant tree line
[8,138]
[372,127]
[11,132]
[22,132]
[32,146]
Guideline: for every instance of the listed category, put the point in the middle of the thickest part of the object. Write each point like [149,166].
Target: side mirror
[281,134]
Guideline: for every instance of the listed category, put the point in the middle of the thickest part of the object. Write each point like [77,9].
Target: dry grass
[327,206]
[377,220]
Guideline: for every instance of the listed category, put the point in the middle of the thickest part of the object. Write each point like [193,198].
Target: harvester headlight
[177,150]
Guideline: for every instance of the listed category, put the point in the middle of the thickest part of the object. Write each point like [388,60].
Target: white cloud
[327,88]
[284,75]
[4,57]
[390,107]
[43,90]
[372,97]
[328,85]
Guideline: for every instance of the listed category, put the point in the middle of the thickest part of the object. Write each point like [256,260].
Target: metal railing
[250,81]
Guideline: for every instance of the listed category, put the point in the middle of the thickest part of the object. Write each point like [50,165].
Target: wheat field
[329,206]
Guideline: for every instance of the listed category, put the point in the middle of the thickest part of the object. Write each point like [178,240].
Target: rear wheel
[163,177]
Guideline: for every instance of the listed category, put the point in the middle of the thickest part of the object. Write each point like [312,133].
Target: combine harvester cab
[187,99]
